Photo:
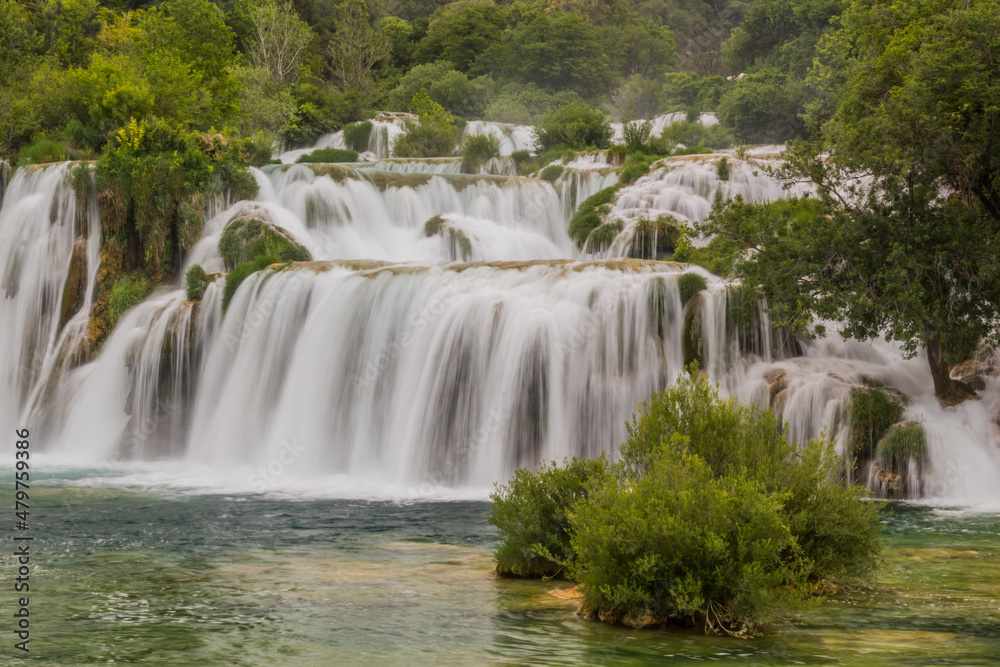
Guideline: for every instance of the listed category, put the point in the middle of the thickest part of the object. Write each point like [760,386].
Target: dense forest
[78,70]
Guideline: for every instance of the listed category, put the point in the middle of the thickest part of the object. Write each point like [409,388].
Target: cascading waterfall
[397,364]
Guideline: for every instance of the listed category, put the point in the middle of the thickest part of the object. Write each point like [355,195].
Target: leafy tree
[434,133]
[910,252]
[451,89]
[460,32]
[765,106]
[637,46]
[357,47]
[278,40]
[556,52]
[574,125]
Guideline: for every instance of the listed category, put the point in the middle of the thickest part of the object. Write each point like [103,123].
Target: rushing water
[133,576]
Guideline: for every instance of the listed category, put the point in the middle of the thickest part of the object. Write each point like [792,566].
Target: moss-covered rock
[243,271]
[247,238]
[871,413]
[603,236]
[590,215]
[693,343]
[552,173]
[433,225]
[902,443]
[690,284]
[654,239]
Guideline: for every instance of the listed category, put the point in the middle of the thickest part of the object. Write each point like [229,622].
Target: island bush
[711,517]
[477,150]
[574,125]
[328,156]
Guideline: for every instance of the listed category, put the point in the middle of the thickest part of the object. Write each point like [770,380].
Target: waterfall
[447,333]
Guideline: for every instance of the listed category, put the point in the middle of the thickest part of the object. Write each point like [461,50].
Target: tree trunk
[949,391]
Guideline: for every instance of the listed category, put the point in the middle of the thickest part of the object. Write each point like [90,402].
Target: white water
[413,376]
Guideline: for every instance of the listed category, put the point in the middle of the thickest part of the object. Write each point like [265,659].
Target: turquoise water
[123,576]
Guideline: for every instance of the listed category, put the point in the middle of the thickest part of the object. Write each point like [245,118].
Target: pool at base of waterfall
[122,575]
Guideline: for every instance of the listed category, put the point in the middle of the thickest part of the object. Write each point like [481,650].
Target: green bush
[688,133]
[575,125]
[902,443]
[521,160]
[603,236]
[129,290]
[680,544]
[722,169]
[243,271]
[589,216]
[552,173]
[433,135]
[871,412]
[328,155]
[635,166]
[43,151]
[247,238]
[747,441]
[478,149]
[531,513]
[356,135]
[195,282]
[711,517]
[636,133]
[690,284]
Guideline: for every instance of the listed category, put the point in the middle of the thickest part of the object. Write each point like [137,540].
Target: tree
[356,48]
[278,40]
[460,32]
[912,250]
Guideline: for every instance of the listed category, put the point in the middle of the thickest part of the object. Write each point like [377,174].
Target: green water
[129,577]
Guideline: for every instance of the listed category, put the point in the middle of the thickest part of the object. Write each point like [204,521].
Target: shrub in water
[531,516]
[129,290]
[247,238]
[356,135]
[871,411]
[433,135]
[902,443]
[236,277]
[195,282]
[477,150]
[589,216]
[712,517]
[575,125]
[690,284]
[328,156]
[552,173]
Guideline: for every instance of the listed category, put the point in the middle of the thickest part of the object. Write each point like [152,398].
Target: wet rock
[974,371]
[76,282]
[640,621]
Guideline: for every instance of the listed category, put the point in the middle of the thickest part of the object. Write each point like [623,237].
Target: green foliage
[711,517]
[552,173]
[689,284]
[722,169]
[195,283]
[433,135]
[603,236]
[433,225]
[460,32]
[42,151]
[589,216]
[248,238]
[747,441]
[243,271]
[636,134]
[524,103]
[153,183]
[320,110]
[521,159]
[531,513]
[478,149]
[635,166]
[871,413]
[356,135]
[451,89]
[902,443]
[695,134]
[575,125]
[328,155]
[765,107]
[687,90]
[128,290]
